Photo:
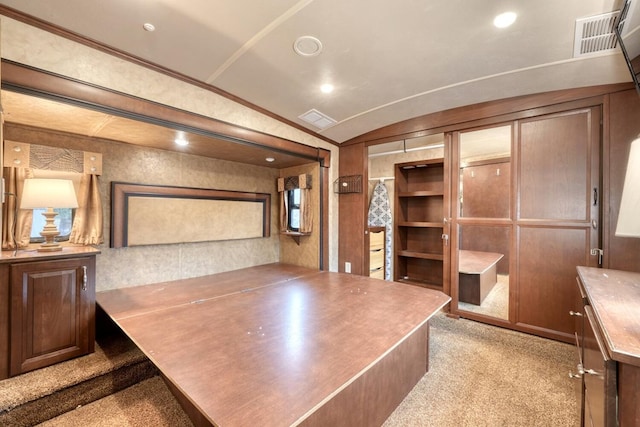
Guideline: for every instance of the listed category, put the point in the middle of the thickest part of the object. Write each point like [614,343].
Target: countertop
[614,296]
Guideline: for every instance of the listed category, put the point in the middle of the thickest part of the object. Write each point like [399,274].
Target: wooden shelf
[424,193]
[295,235]
[420,224]
[423,283]
[421,255]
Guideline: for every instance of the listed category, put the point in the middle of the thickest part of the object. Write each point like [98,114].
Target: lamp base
[49,232]
[47,247]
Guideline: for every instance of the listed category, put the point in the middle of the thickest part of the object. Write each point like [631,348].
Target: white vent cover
[595,34]
[317,119]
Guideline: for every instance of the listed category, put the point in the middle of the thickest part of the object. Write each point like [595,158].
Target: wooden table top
[475,262]
[67,251]
[615,298]
[268,345]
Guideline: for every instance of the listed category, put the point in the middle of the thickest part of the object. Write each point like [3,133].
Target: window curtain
[87,228]
[16,227]
[303,182]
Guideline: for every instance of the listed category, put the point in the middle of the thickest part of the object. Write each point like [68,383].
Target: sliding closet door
[557,215]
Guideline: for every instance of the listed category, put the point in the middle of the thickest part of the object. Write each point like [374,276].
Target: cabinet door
[557,215]
[52,312]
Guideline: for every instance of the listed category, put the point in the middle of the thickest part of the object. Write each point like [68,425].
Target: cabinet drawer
[599,377]
[376,259]
[377,273]
[376,240]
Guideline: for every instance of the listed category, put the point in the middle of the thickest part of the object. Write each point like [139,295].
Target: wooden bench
[477,275]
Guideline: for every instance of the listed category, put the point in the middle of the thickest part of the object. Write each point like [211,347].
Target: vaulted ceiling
[387,61]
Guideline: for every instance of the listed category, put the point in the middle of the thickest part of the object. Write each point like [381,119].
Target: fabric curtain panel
[16,227]
[87,228]
[306,218]
[284,211]
[303,182]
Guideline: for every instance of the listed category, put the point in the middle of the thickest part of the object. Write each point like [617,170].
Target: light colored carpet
[111,354]
[481,375]
[148,403]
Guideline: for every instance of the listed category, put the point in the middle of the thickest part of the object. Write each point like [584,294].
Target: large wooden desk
[477,275]
[279,345]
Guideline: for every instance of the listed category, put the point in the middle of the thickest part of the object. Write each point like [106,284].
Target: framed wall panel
[153,214]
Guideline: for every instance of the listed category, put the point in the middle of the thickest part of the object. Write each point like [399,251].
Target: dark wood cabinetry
[420,240]
[49,312]
[608,362]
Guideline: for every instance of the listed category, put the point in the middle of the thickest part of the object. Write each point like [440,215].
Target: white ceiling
[388,60]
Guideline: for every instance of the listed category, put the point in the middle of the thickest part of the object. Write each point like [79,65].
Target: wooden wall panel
[353,213]
[621,253]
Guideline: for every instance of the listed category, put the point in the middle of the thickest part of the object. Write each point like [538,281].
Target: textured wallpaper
[149,264]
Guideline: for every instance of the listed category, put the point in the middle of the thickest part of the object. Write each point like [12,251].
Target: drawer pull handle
[84,277]
[575,313]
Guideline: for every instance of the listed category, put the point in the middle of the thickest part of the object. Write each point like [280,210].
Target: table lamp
[48,194]
[629,215]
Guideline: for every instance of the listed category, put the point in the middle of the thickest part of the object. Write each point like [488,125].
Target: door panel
[555,167]
[547,276]
[51,310]
[558,215]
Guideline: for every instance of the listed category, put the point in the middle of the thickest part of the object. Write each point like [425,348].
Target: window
[293,199]
[63,221]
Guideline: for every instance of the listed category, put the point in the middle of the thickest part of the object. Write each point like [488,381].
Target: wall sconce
[48,194]
[629,214]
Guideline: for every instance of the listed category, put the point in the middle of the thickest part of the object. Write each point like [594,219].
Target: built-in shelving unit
[419,221]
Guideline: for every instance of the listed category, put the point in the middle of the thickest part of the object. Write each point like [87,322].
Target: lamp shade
[48,193]
[629,214]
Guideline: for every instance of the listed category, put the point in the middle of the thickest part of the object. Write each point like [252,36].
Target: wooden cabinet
[377,250]
[49,315]
[420,201]
[608,362]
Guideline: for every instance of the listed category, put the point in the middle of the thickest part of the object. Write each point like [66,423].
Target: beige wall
[31,46]
[149,264]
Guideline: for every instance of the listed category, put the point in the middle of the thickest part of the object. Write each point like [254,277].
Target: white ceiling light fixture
[270,159]
[326,88]
[505,20]
[149,27]
[181,141]
[307,46]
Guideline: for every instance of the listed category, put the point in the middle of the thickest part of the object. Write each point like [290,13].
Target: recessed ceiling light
[307,46]
[270,159]
[181,141]
[504,19]
[326,88]
[149,27]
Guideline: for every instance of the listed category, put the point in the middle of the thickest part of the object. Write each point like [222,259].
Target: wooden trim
[120,193]
[69,35]
[483,113]
[29,80]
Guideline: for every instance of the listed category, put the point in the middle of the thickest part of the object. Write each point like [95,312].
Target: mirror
[484,225]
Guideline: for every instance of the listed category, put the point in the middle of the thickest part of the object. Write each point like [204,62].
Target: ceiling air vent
[317,119]
[595,34]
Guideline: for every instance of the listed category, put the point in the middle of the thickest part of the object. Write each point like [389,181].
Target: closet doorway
[382,159]
[526,211]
